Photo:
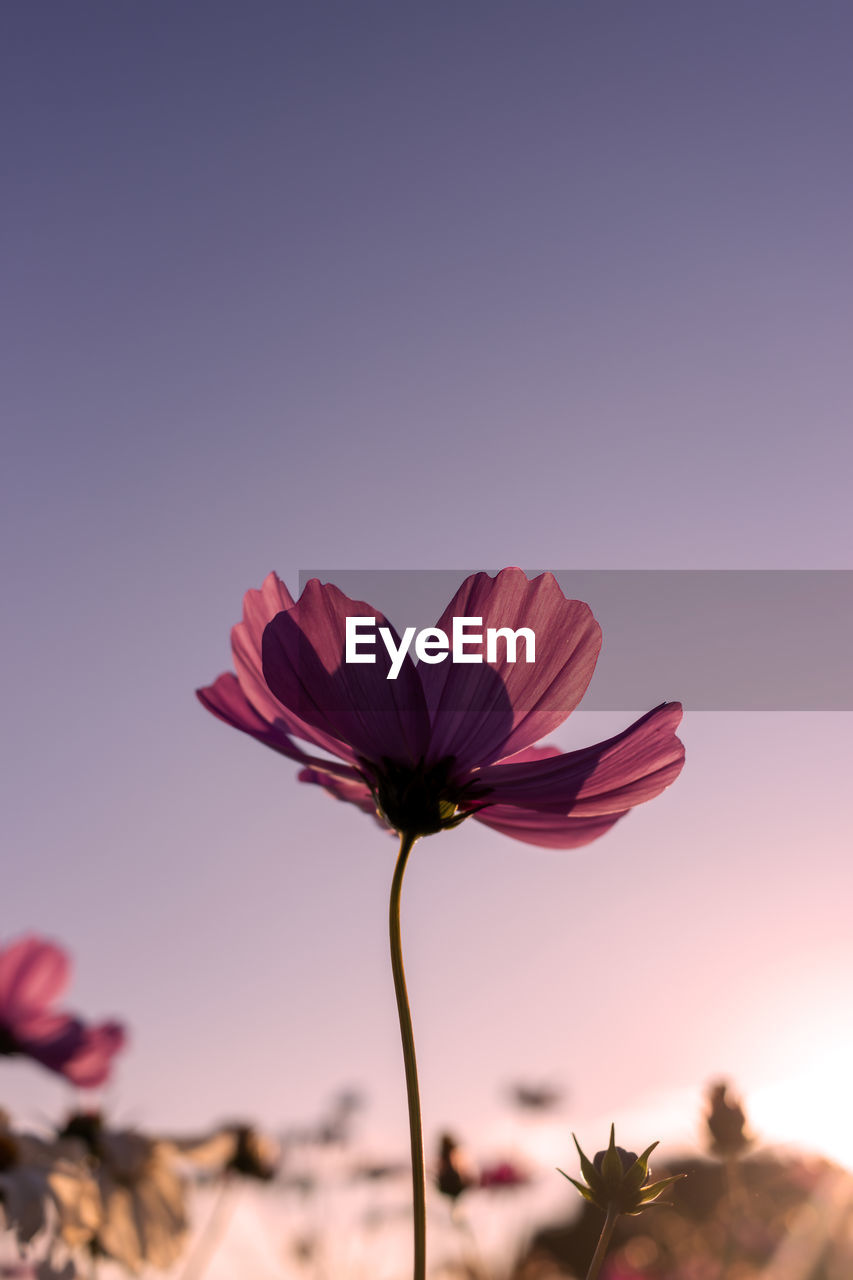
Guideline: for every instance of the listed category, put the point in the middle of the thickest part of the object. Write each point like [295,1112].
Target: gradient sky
[415,286]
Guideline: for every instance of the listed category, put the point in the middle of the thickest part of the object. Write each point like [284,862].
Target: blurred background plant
[321,1202]
[91,1198]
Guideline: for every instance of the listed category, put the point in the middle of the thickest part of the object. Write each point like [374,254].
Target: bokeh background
[409,287]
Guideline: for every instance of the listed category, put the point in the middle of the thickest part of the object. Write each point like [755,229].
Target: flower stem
[415,1132]
[603,1242]
[731,1201]
[212,1233]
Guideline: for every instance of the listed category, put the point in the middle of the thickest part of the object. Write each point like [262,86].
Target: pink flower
[506,1173]
[32,974]
[443,741]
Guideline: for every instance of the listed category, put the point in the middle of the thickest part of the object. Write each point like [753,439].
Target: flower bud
[617,1180]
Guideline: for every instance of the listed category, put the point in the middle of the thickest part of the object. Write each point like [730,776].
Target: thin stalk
[211,1236]
[603,1242]
[475,1265]
[732,1205]
[412,1094]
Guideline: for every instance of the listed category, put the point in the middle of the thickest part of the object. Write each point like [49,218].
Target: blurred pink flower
[33,973]
[506,1173]
[443,742]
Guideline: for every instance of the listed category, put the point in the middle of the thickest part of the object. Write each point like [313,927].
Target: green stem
[415,1131]
[603,1242]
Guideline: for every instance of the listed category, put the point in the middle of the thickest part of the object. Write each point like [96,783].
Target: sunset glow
[301,293]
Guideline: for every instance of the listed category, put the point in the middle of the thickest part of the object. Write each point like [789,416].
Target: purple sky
[410,286]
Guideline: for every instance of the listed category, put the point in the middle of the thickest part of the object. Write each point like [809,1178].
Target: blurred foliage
[780,1207]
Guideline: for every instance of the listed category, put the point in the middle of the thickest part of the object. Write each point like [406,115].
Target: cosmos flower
[443,741]
[504,1174]
[33,973]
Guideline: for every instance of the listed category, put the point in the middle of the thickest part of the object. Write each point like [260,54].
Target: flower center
[9,1153]
[418,800]
[8,1043]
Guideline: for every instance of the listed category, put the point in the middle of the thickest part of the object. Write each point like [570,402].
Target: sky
[381,286]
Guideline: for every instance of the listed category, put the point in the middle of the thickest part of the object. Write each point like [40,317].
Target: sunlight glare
[811,1108]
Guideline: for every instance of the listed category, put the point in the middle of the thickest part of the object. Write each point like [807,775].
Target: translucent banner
[714,639]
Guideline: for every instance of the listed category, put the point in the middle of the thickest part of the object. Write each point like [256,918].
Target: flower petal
[608,778]
[90,1065]
[477,718]
[259,609]
[227,701]
[303,663]
[50,1038]
[545,751]
[550,830]
[32,975]
[352,791]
